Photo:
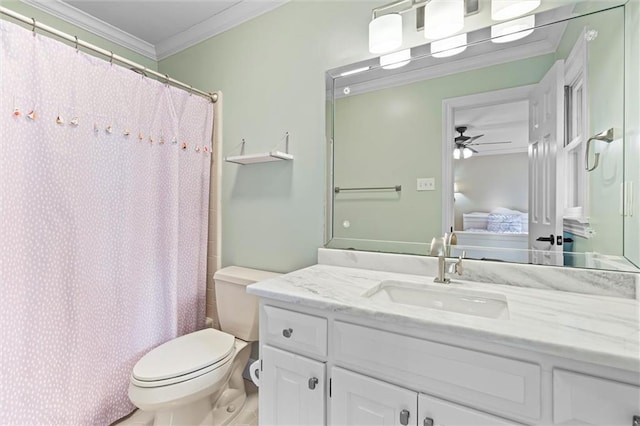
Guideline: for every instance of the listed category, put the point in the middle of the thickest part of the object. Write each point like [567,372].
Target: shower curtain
[104,183]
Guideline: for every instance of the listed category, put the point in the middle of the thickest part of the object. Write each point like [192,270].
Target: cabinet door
[292,389]
[358,400]
[579,399]
[437,412]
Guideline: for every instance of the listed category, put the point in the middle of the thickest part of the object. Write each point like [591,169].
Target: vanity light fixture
[354,71]
[440,19]
[443,18]
[513,30]
[385,33]
[449,46]
[509,9]
[395,60]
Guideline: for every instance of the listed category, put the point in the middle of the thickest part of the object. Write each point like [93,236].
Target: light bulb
[443,18]
[449,46]
[513,30]
[396,59]
[466,153]
[385,33]
[456,154]
[509,9]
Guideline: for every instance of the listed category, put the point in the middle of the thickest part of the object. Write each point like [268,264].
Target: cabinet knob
[636,421]
[427,422]
[287,332]
[404,417]
[313,382]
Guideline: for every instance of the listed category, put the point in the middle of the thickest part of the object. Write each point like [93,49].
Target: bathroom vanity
[348,346]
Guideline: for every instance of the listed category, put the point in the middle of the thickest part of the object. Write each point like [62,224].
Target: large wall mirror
[516,144]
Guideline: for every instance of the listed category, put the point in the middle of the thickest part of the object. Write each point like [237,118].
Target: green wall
[394,136]
[272,73]
[45,18]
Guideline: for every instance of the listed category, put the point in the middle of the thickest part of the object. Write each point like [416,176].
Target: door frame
[449,107]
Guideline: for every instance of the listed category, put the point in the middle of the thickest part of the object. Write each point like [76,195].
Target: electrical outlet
[426,184]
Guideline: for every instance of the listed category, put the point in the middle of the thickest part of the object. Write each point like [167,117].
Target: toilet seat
[184,358]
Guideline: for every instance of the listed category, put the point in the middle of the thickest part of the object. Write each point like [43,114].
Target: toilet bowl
[196,379]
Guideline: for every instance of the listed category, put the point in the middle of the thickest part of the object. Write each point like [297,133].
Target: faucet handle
[458,266]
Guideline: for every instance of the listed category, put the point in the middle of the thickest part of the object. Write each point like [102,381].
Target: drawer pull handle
[287,332]
[427,422]
[313,382]
[404,417]
[636,421]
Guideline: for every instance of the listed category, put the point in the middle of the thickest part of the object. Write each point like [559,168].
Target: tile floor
[247,417]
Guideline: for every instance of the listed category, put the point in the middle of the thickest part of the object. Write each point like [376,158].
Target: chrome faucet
[441,247]
[451,267]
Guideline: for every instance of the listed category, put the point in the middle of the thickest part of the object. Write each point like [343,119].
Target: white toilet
[196,379]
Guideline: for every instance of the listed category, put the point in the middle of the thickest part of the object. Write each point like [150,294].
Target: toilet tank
[237,310]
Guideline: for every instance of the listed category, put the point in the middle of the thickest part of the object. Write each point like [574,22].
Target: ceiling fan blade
[473,150]
[473,138]
[489,143]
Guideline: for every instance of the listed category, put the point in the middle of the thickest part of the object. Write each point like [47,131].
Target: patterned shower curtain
[104,183]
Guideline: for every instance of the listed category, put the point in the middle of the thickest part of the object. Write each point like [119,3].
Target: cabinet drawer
[488,382]
[440,412]
[579,399]
[295,331]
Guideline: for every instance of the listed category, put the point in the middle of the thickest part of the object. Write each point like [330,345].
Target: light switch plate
[426,184]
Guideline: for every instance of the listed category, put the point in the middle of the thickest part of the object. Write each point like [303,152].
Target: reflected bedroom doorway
[490,175]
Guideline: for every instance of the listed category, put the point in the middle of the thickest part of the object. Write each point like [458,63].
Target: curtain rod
[213,97]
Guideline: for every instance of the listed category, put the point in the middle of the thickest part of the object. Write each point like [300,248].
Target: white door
[295,389]
[546,181]
[437,412]
[358,400]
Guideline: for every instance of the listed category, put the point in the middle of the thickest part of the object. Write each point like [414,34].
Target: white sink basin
[443,297]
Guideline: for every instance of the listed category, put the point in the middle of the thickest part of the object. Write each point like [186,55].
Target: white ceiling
[508,122]
[157,28]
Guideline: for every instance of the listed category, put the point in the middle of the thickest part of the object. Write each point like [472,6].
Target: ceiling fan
[463,143]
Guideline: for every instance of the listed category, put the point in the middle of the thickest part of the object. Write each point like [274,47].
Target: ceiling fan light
[385,33]
[466,153]
[513,30]
[449,46]
[396,59]
[509,9]
[443,18]
[456,153]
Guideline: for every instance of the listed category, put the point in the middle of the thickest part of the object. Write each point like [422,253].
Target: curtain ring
[33,26]
[166,80]
[111,60]
[76,43]
[190,90]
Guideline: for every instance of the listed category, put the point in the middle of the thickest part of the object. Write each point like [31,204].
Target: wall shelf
[265,157]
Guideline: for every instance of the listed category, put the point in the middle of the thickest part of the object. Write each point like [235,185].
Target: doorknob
[427,422]
[550,239]
[636,421]
[287,332]
[404,417]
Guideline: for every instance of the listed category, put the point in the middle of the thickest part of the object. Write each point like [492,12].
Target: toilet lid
[184,355]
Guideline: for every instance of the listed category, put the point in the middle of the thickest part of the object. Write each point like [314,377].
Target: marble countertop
[597,329]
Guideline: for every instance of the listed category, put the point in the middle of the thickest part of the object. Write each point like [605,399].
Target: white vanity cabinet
[325,367]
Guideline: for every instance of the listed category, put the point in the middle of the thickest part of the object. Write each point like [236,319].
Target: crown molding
[233,16]
[94,25]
